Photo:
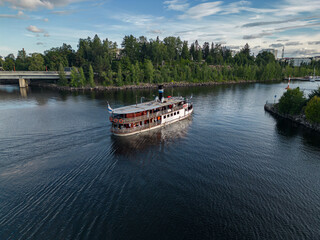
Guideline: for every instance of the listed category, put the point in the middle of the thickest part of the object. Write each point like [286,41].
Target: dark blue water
[232,171]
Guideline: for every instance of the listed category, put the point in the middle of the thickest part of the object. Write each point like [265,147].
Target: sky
[38,25]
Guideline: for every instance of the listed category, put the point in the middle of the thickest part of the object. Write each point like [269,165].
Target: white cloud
[294,7]
[314,43]
[236,7]
[255,17]
[5,50]
[177,5]
[36,4]
[145,22]
[276,45]
[303,52]
[155,31]
[19,15]
[63,12]
[35,29]
[293,43]
[202,10]
[257,35]
[216,21]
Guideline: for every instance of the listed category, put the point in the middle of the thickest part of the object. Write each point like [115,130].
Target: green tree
[75,77]
[174,47]
[185,51]
[292,101]
[313,110]
[315,92]
[22,61]
[119,79]
[171,60]
[158,51]
[54,57]
[9,62]
[130,47]
[1,62]
[62,76]
[36,62]
[148,71]
[107,77]
[91,77]
[82,78]
[206,50]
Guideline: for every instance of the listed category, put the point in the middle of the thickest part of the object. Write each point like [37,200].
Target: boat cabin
[149,115]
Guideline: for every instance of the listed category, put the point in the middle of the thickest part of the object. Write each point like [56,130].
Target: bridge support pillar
[23,83]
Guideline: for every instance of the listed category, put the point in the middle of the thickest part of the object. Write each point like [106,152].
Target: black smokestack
[161,91]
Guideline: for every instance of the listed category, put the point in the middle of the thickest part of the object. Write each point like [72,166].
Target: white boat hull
[188,114]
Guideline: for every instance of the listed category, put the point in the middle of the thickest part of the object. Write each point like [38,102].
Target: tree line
[140,60]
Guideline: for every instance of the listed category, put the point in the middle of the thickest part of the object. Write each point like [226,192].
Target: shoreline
[142,85]
[298,119]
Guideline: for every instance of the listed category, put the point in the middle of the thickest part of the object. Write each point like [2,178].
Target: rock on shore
[299,119]
[140,86]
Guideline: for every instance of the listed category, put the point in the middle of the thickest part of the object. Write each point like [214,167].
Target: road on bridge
[25,76]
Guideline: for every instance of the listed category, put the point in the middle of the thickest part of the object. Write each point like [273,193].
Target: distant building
[296,62]
[270,50]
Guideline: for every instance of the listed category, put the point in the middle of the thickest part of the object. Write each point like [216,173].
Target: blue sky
[38,25]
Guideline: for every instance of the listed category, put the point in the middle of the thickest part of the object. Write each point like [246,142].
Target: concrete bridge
[25,77]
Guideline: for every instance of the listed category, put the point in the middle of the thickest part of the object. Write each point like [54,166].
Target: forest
[139,60]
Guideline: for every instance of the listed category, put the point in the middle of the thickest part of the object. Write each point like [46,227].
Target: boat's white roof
[147,106]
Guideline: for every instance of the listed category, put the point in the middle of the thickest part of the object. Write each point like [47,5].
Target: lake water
[231,171]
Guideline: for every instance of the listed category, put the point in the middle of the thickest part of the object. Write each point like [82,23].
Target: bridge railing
[31,75]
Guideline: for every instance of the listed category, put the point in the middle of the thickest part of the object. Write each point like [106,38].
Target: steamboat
[138,118]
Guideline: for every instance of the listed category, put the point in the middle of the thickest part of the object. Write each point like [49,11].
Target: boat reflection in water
[157,138]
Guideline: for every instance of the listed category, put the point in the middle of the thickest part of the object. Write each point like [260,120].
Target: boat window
[168,115]
[171,114]
[175,113]
[164,117]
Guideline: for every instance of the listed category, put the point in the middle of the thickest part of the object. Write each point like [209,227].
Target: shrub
[313,110]
[314,93]
[292,101]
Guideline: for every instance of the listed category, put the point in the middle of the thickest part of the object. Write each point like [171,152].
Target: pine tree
[91,77]
[82,78]
[74,77]
[119,77]
[62,76]
[185,51]
[148,70]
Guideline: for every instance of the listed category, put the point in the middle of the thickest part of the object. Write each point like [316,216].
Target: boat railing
[150,115]
[134,129]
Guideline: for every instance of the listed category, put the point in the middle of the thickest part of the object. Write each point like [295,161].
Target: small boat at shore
[314,77]
[130,120]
